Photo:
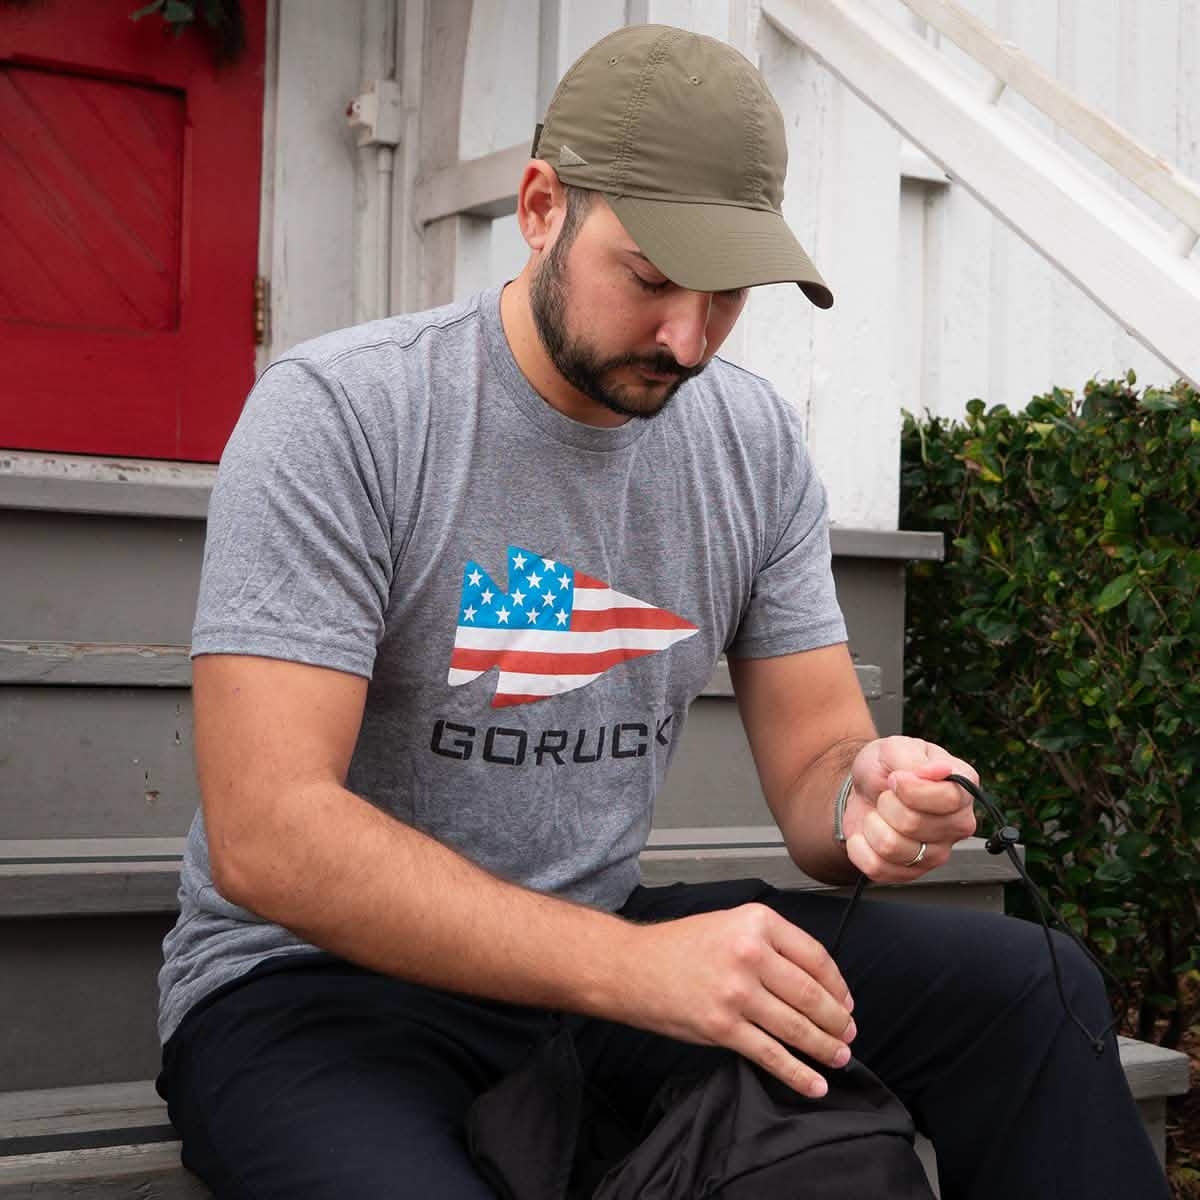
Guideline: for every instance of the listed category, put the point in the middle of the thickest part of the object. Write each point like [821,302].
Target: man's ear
[541,204]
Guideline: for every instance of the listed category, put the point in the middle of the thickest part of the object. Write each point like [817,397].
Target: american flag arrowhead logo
[555,629]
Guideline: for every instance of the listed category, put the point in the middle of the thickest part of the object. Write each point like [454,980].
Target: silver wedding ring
[912,862]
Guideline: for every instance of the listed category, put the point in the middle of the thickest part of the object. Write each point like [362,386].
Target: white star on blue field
[540,596]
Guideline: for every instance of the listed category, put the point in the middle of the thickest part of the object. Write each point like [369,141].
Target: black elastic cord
[859,888]
[1004,841]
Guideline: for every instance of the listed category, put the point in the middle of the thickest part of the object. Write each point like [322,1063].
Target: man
[465,571]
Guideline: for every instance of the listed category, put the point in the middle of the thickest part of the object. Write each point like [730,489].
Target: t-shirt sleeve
[297,558]
[793,605]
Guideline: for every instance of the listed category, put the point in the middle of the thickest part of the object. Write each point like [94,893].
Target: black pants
[314,1078]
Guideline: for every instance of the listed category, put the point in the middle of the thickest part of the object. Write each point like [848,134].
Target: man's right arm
[288,841]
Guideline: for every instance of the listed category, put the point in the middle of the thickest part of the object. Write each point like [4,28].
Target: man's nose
[684,329]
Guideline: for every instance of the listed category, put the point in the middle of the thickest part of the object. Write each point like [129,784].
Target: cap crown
[664,114]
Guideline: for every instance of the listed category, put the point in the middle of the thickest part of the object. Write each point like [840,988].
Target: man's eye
[646,285]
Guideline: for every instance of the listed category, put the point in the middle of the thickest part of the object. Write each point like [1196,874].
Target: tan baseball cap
[681,135]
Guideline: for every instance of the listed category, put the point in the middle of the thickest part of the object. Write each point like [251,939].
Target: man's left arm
[808,725]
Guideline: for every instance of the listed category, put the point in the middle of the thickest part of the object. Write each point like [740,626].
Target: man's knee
[1042,974]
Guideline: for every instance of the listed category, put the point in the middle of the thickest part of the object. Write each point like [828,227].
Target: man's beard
[580,365]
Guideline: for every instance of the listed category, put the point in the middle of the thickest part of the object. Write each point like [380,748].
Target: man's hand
[899,800]
[749,980]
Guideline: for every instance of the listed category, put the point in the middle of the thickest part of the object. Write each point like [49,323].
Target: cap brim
[719,247]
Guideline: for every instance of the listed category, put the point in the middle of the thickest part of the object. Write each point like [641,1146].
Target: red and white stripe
[607,628]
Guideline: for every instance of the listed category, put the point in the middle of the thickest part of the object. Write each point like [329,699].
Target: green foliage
[223,23]
[1058,649]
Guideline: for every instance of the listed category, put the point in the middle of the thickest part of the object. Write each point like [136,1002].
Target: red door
[129,188]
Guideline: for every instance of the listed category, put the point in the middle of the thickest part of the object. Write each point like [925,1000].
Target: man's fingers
[921,826]
[774,1058]
[941,763]
[796,1030]
[934,796]
[803,996]
[804,951]
[884,870]
[893,847]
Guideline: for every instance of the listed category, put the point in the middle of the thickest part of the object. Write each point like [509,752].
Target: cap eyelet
[616,58]
[694,79]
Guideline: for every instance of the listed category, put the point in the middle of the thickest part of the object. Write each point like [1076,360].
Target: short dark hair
[579,204]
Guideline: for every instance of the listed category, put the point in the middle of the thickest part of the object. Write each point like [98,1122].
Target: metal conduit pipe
[377,115]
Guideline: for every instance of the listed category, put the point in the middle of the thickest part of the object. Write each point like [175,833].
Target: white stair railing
[1010,68]
[1133,269]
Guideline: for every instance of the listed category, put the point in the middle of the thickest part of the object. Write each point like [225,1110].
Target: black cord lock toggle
[1003,838]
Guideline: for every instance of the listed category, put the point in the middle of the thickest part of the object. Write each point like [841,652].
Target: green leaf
[1132,846]
[997,628]
[943,512]
[1159,402]
[1056,743]
[1115,870]
[152,7]
[1116,592]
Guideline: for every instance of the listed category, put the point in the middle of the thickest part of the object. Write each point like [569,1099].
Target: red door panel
[129,185]
[90,190]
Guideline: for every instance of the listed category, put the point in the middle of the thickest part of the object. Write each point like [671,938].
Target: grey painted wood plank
[102,849]
[88,889]
[76,577]
[91,876]
[969,862]
[150,1172]
[89,664]
[129,487]
[714,837]
[686,855]
[97,1107]
[870,679]
[120,664]
[1154,1070]
[58,877]
[89,762]
[906,544]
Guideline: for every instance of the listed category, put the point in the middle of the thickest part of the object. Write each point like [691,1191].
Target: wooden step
[89,876]
[115,1140]
[146,1171]
[972,878]
[94,876]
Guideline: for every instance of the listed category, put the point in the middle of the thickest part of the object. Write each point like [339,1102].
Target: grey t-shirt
[535,601]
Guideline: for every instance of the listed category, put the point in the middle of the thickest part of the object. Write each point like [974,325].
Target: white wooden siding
[937,301]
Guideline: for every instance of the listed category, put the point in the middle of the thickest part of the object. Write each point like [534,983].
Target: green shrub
[1058,649]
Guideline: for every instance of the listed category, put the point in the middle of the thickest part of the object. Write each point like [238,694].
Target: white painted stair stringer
[1094,235]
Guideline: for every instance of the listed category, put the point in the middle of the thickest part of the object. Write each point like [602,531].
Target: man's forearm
[358,883]
[806,820]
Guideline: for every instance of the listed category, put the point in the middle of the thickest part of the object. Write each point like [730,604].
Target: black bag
[735,1134]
